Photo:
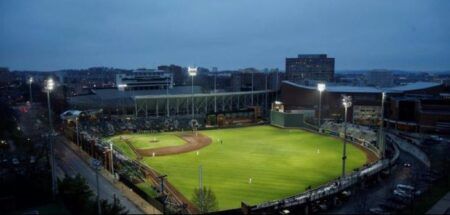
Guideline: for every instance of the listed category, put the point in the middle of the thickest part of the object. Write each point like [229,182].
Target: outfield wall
[286,120]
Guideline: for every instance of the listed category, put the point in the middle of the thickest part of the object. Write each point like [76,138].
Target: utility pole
[97,164]
[163,196]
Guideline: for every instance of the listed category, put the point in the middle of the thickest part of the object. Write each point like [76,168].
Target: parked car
[32,159]
[15,161]
[402,194]
[405,187]
[377,210]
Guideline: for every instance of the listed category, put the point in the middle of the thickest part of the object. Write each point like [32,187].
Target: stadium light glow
[192,71]
[278,103]
[50,84]
[347,101]
[321,87]
[122,85]
[30,80]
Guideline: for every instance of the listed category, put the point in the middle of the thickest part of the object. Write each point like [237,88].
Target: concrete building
[366,108]
[144,79]
[316,67]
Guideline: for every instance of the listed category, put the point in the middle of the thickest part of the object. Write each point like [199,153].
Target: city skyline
[51,35]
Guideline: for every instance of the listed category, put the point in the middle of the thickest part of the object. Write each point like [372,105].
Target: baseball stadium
[250,164]
[255,152]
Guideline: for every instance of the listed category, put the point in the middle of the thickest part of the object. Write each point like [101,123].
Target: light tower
[382,143]
[49,87]
[30,81]
[347,102]
[192,72]
[320,87]
[122,87]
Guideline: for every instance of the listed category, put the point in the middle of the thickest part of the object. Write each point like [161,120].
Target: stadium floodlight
[30,81]
[278,103]
[50,84]
[382,145]
[347,102]
[49,87]
[122,86]
[192,72]
[320,87]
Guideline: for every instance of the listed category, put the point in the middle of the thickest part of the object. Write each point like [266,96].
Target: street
[380,192]
[71,164]
[67,162]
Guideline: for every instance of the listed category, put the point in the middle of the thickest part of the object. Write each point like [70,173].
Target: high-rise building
[316,67]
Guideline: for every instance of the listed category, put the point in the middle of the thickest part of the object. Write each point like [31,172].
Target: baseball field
[250,164]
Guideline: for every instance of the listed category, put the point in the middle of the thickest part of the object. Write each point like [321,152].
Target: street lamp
[347,102]
[192,72]
[30,81]
[320,87]
[49,87]
[78,133]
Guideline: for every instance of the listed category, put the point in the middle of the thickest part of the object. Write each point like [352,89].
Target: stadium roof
[365,89]
[114,95]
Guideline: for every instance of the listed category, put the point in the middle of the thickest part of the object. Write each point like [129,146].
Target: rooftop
[365,89]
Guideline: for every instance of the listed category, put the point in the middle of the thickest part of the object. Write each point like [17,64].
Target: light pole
[78,132]
[30,81]
[252,88]
[382,144]
[192,72]
[267,86]
[320,87]
[347,102]
[112,159]
[167,99]
[49,87]
[215,91]
[122,86]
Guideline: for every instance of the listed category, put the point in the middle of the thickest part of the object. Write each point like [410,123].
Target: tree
[112,209]
[205,200]
[75,194]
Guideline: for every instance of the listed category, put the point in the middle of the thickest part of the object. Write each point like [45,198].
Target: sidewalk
[127,192]
[442,206]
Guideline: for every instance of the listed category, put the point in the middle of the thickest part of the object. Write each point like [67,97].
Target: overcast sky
[229,34]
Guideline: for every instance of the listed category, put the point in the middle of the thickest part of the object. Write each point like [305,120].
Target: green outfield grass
[280,162]
[146,141]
